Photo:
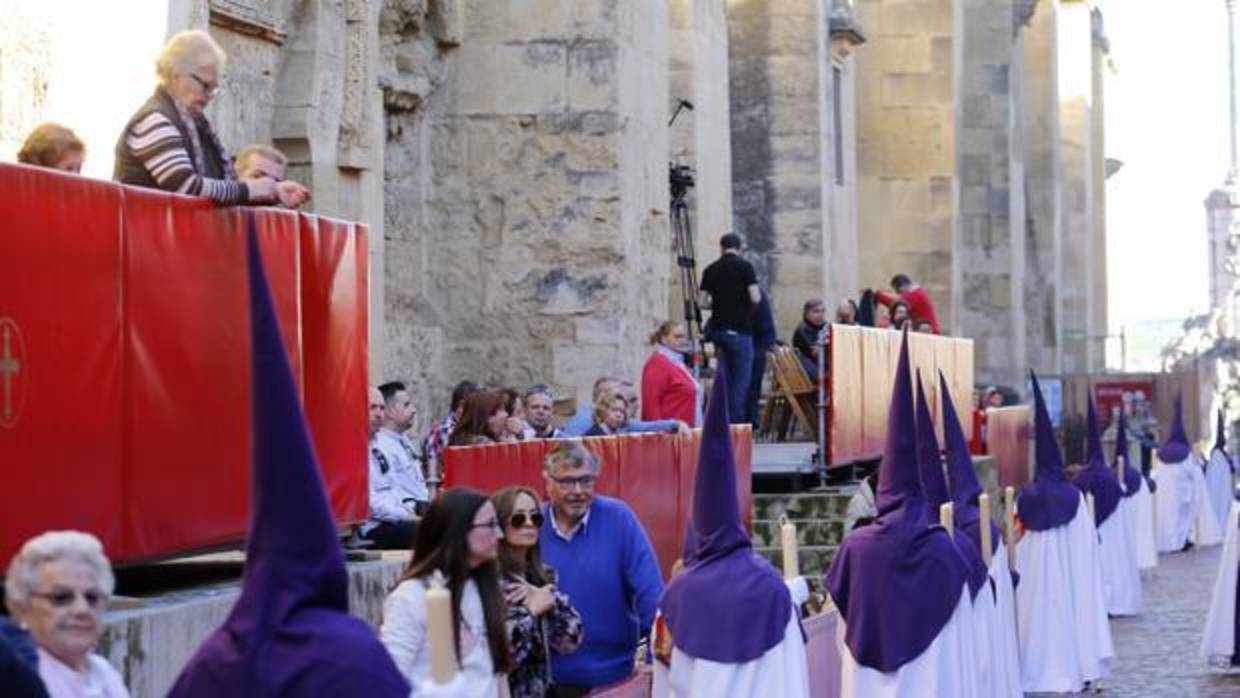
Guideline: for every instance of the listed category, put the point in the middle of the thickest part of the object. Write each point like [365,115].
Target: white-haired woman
[56,588]
[170,145]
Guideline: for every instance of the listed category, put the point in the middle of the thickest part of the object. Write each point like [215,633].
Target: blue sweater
[611,576]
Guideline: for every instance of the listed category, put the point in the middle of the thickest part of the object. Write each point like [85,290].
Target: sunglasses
[519,519]
[64,598]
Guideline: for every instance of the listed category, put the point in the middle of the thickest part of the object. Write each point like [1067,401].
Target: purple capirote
[1096,478]
[1050,501]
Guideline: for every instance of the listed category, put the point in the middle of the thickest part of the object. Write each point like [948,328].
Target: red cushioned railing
[127,368]
[652,473]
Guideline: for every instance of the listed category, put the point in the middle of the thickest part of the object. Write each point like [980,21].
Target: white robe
[1219,484]
[782,671]
[1138,513]
[1062,622]
[1219,642]
[1182,507]
[940,670]
[1121,580]
[1004,678]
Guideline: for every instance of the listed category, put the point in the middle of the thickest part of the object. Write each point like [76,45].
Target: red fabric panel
[646,473]
[334,341]
[187,471]
[847,392]
[876,380]
[60,301]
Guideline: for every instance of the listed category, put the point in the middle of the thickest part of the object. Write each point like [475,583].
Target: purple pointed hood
[1050,501]
[930,464]
[897,581]
[1176,449]
[965,487]
[290,633]
[1096,478]
[728,605]
[1132,476]
[1220,435]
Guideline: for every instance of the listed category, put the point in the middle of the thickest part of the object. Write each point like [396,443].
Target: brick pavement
[1157,652]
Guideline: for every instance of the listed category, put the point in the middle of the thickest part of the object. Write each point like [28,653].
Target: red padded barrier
[652,473]
[187,310]
[334,308]
[60,305]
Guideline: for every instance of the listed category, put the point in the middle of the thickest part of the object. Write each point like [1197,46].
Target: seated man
[540,413]
[393,517]
[399,465]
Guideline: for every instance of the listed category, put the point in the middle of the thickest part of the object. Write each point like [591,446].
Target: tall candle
[1009,523]
[788,544]
[1119,471]
[983,506]
[945,516]
[439,631]
[1089,501]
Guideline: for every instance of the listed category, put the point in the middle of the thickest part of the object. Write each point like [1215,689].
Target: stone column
[701,137]
[1039,134]
[841,248]
[1098,315]
[527,194]
[988,254]
[779,57]
[906,165]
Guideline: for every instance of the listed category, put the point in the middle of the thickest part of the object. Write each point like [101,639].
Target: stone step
[812,560]
[826,504]
[809,532]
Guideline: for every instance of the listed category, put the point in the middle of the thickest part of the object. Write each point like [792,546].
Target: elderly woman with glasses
[170,145]
[540,619]
[56,588]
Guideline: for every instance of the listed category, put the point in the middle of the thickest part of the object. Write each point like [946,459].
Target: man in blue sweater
[604,563]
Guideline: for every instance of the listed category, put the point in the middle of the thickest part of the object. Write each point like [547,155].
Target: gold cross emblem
[12,353]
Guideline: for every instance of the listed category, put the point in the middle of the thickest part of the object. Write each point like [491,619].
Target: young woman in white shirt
[459,538]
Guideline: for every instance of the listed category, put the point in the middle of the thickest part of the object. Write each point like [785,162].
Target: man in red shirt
[920,306]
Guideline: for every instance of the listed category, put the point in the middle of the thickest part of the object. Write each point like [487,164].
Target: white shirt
[406,466]
[98,680]
[387,501]
[403,633]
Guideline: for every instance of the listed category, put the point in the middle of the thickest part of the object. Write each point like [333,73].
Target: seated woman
[611,416]
[900,316]
[846,312]
[57,586]
[805,339]
[484,420]
[516,426]
[52,145]
[169,144]
[669,389]
[540,619]
[457,538]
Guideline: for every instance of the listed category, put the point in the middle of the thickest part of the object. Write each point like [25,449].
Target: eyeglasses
[518,519]
[210,89]
[493,524]
[65,597]
[585,482]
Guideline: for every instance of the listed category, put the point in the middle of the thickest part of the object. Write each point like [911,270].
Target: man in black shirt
[730,290]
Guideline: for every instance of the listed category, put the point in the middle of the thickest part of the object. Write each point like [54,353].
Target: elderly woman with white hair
[56,588]
[170,145]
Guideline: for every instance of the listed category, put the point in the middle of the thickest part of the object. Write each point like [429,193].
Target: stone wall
[906,146]
[701,137]
[988,255]
[779,52]
[526,190]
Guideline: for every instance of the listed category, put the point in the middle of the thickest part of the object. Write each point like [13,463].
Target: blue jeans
[756,374]
[736,353]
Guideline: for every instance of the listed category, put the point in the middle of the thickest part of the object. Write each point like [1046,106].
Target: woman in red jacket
[669,390]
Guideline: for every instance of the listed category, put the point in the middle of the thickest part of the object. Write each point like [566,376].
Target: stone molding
[245,18]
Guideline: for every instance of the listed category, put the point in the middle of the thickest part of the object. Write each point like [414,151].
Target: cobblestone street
[1157,651]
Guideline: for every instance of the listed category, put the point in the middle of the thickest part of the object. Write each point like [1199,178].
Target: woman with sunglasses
[56,588]
[457,538]
[540,619]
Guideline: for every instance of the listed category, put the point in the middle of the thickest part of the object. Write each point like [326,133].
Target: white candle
[1089,501]
[439,631]
[788,543]
[945,516]
[1009,523]
[983,506]
[1119,471]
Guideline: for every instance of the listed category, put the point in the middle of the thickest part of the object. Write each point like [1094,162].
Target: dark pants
[392,536]
[736,353]
[755,385]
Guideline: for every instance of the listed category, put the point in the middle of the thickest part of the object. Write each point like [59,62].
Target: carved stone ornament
[244,17]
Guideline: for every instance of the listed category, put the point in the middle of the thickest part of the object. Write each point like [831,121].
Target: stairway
[819,518]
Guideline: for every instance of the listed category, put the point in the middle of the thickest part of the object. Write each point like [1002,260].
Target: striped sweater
[155,152]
